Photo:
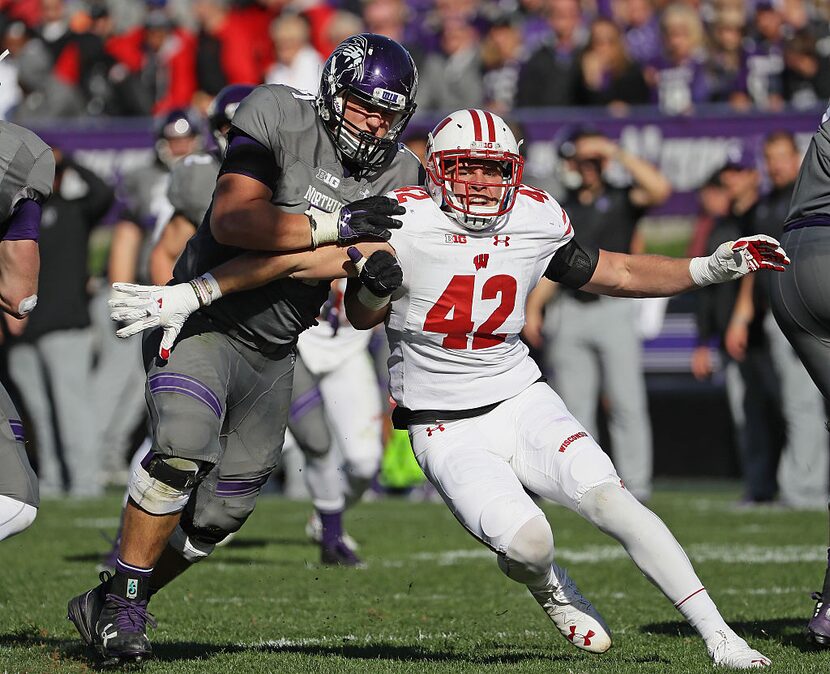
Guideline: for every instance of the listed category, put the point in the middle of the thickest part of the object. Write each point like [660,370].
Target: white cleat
[727,649]
[314,531]
[574,616]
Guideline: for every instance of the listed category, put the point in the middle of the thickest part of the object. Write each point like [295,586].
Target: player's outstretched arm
[368,297]
[147,307]
[656,276]
[19,268]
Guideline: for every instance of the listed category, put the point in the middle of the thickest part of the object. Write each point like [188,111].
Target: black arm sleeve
[572,265]
[251,158]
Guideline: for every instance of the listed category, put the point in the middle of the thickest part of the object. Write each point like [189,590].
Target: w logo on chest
[480,261]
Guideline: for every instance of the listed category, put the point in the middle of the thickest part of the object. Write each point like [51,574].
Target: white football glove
[167,307]
[734,259]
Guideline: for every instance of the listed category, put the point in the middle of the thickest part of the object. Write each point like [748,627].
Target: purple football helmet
[171,126]
[221,111]
[377,72]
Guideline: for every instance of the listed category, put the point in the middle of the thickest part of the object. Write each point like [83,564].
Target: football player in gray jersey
[26,177]
[800,302]
[300,172]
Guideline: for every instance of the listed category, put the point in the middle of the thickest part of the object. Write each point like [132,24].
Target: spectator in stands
[726,60]
[44,96]
[533,24]
[806,71]
[678,77]
[608,75]
[641,27]
[51,362]
[397,20]
[344,24]
[803,468]
[298,64]
[163,56]
[222,58]
[551,74]
[502,57]
[593,344]
[451,79]
[765,60]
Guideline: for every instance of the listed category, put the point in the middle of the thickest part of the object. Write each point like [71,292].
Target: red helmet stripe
[476,124]
[491,126]
[441,125]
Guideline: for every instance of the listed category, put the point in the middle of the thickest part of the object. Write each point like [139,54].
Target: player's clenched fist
[734,259]
[366,218]
[380,275]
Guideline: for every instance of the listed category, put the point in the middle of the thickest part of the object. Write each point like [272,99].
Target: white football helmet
[472,134]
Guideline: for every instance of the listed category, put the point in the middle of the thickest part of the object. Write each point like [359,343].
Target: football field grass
[431,599]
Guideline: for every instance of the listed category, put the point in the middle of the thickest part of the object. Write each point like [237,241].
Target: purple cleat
[339,554]
[818,629]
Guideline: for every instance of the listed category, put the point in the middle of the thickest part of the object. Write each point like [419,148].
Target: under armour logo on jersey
[501,239]
[455,238]
[572,438]
[430,429]
[480,261]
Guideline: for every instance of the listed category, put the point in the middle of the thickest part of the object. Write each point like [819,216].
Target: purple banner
[687,149]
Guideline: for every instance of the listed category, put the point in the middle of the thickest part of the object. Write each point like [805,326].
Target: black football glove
[368,218]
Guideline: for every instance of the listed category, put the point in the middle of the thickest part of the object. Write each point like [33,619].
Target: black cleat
[818,629]
[84,609]
[120,632]
[339,554]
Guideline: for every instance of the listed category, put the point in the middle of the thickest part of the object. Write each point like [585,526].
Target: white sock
[702,614]
[15,516]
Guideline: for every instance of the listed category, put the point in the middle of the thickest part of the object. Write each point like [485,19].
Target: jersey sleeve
[260,116]
[42,176]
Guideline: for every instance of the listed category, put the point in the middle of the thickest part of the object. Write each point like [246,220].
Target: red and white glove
[167,307]
[734,259]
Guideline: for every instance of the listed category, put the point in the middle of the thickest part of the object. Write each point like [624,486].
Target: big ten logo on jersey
[327,178]
[455,238]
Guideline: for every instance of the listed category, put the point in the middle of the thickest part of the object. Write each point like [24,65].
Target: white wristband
[324,226]
[371,301]
[700,272]
[206,288]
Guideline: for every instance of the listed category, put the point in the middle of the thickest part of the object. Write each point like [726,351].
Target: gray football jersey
[286,120]
[27,167]
[810,194]
[191,185]
[143,192]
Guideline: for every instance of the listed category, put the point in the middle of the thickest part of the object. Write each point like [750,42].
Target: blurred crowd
[73,58]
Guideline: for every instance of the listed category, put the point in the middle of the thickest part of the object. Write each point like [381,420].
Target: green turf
[431,599]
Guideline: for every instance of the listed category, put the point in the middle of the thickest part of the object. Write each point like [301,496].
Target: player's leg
[67,357]
[467,462]
[802,309]
[561,462]
[186,397]
[324,477]
[256,419]
[18,483]
[805,463]
[570,352]
[27,371]
[352,400]
[629,425]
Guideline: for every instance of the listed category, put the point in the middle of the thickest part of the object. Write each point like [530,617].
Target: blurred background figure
[502,57]
[297,63]
[678,76]
[551,73]
[765,62]
[51,361]
[802,473]
[593,343]
[608,75]
[451,78]
[727,61]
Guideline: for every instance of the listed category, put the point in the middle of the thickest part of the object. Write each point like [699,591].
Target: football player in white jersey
[483,424]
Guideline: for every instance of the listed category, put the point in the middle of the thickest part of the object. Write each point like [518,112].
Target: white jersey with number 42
[454,324]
